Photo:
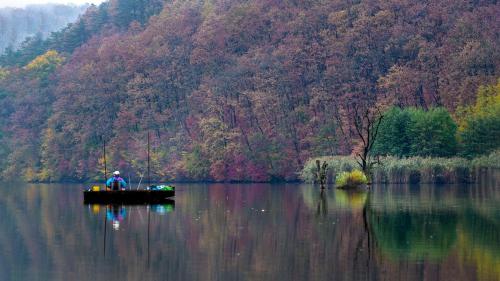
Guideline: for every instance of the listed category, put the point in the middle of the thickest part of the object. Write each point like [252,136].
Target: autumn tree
[479,128]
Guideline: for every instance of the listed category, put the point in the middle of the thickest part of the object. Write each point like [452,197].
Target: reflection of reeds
[410,170]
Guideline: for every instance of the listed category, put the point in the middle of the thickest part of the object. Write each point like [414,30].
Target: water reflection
[322,205]
[163,209]
[417,231]
[414,235]
[115,214]
[354,200]
[439,225]
[254,232]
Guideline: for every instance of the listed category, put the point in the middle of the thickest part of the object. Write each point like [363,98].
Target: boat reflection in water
[117,213]
[162,209]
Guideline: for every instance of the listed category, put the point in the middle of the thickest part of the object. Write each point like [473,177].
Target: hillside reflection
[254,232]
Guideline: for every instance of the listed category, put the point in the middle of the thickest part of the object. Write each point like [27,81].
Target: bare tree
[366,120]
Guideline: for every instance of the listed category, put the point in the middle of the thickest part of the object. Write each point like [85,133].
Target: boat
[128,196]
[154,194]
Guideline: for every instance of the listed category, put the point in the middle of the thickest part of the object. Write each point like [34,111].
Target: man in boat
[116,182]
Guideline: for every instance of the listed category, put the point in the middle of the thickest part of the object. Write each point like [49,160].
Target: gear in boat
[153,194]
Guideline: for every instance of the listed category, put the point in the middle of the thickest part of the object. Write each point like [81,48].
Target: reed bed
[409,170]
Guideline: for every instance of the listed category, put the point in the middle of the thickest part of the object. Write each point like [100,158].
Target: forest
[249,90]
[16,24]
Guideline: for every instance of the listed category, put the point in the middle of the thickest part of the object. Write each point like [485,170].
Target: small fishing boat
[154,194]
[151,196]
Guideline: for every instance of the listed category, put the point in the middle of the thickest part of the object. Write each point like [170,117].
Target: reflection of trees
[414,235]
[322,206]
[479,243]
[48,234]
[250,232]
[257,232]
[484,230]
[438,225]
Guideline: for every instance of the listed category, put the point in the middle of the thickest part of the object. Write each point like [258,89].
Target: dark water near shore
[254,232]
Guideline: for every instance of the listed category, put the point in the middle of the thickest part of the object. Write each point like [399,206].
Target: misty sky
[22,3]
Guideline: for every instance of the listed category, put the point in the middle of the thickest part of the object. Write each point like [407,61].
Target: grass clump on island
[415,169]
[351,179]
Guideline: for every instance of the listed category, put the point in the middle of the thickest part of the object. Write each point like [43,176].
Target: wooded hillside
[17,24]
[232,90]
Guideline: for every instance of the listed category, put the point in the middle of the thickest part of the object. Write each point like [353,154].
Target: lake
[254,232]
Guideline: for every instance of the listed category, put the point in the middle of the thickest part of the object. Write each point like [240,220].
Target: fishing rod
[149,176]
[105,179]
[105,164]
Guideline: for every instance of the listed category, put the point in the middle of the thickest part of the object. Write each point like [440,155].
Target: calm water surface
[254,232]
